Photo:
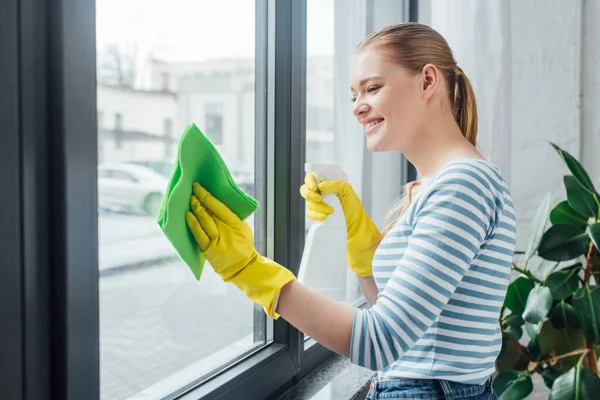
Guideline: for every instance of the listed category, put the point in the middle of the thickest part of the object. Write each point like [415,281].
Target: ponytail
[465,106]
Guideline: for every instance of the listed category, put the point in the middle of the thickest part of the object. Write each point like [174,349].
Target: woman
[436,277]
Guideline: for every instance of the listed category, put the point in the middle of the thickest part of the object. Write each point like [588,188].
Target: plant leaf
[533,347]
[563,283]
[513,320]
[517,293]
[549,375]
[538,305]
[563,242]
[511,384]
[563,315]
[557,342]
[576,169]
[596,266]
[510,357]
[538,226]
[577,384]
[580,200]
[533,330]
[586,301]
[595,234]
[563,213]
[544,269]
[514,332]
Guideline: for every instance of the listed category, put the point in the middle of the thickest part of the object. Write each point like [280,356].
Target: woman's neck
[442,145]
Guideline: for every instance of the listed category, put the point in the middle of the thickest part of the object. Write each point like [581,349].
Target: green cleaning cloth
[198,161]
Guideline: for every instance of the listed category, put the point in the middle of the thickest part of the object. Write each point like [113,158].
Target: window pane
[319,84]
[323,110]
[162,67]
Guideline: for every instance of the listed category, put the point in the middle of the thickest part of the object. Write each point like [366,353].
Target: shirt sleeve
[450,222]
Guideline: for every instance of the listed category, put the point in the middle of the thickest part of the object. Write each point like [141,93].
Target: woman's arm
[445,239]
[369,288]
[325,320]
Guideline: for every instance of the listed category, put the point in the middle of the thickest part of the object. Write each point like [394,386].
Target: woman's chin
[375,144]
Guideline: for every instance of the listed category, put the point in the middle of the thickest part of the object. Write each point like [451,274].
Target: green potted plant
[551,314]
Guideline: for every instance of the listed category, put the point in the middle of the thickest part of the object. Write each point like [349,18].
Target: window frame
[49,155]
[50,266]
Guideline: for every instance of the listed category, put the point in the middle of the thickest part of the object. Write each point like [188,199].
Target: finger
[212,204]
[335,187]
[311,182]
[316,216]
[309,195]
[206,221]
[320,207]
[197,231]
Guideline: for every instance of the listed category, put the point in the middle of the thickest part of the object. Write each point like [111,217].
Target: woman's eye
[353,99]
[371,89]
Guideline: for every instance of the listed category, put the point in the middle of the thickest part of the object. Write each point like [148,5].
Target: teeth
[372,124]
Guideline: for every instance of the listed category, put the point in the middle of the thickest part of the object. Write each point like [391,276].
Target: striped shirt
[442,274]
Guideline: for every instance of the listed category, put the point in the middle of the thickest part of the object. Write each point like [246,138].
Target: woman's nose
[360,108]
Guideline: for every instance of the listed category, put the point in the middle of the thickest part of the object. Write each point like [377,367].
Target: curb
[139,264]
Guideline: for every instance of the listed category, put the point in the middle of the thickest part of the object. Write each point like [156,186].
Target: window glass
[319,84]
[161,67]
[325,52]
[319,81]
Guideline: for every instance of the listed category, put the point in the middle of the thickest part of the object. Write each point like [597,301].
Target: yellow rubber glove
[363,234]
[228,244]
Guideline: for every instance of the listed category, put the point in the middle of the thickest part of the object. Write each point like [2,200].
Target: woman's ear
[429,80]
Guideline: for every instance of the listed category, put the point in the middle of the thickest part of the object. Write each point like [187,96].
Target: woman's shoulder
[469,173]
[476,181]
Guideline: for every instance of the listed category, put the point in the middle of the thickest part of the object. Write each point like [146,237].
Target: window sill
[336,379]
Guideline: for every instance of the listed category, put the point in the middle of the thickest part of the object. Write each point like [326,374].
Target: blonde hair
[412,46]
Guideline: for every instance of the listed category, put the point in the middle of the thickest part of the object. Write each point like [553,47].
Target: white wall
[554,87]
[142,111]
[591,89]
[546,37]
[238,124]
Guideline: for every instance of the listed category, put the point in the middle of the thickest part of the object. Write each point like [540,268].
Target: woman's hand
[363,234]
[228,244]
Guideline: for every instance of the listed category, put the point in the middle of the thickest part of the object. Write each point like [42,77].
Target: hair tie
[458,71]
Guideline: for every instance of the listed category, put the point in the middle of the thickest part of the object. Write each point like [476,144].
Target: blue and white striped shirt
[442,274]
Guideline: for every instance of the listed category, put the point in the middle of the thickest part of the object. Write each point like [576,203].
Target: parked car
[130,187]
[244,179]
[164,168]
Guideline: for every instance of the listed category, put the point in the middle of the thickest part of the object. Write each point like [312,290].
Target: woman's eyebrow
[365,80]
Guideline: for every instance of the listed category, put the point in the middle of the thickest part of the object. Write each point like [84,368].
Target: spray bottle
[323,267]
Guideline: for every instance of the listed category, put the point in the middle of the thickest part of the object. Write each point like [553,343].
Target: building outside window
[213,114]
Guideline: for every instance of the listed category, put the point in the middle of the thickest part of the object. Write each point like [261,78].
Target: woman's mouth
[372,126]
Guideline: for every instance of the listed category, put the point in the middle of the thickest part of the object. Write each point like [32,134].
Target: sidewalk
[134,253]
[131,241]
[128,241]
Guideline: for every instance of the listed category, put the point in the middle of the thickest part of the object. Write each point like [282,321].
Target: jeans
[429,389]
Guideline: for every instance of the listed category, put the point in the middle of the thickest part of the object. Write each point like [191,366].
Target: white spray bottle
[323,267]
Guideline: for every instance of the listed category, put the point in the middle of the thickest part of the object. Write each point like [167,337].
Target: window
[322,110]
[158,325]
[118,131]
[169,143]
[164,81]
[213,115]
[168,127]
[118,121]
